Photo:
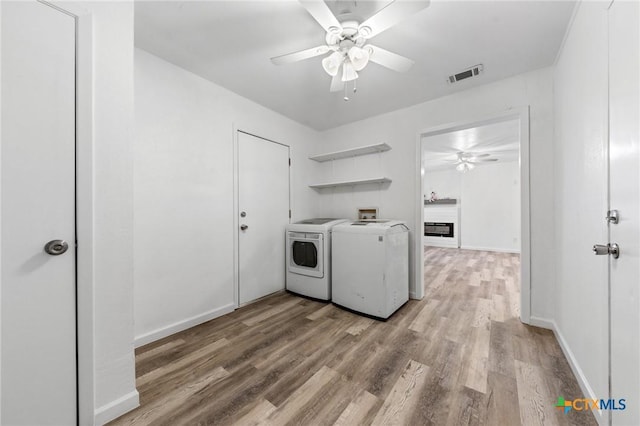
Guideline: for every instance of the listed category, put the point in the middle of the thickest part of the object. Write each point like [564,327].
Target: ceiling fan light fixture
[343,35]
[464,167]
[365,31]
[348,72]
[331,63]
[359,57]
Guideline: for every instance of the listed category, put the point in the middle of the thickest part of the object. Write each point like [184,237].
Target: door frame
[515,113]
[236,203]
[85,355]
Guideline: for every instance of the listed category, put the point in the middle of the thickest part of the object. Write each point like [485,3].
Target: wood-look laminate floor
[459,356]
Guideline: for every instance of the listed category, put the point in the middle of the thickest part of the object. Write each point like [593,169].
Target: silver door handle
[612,249]
[613,216]
[244,227]
[56,247]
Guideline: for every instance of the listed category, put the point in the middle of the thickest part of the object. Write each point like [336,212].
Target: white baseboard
[496,249]
[542,323]
[116,408]
[160,333]
[586,389]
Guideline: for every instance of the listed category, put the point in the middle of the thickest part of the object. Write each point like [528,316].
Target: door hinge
[289,213]
[289,162]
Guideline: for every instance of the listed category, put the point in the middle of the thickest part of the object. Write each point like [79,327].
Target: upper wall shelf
[350,182]
[353,152]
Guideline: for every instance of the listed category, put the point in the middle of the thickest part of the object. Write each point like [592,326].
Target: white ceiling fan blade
[390,60]
[485,160]
[473,155]
[299,56]
[321,13]
[336,82]
[389,16]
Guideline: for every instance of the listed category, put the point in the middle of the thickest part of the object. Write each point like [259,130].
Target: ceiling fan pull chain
[346,97]
[354,86]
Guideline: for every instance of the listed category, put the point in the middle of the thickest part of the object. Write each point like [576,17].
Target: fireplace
[442,224]
[438,229]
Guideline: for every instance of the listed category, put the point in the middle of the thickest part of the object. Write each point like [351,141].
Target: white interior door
[263,208]
[624,191]
[38,358]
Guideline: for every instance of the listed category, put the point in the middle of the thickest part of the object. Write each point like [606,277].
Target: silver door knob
[244,227]
[56,247]
[613,216]
[612,249]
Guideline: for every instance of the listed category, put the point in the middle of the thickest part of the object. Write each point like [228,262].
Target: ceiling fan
[466,161]
[347,41]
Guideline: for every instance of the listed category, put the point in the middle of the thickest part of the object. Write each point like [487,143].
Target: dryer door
[305,254]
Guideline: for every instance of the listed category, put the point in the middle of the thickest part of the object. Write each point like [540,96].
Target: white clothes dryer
[308,257]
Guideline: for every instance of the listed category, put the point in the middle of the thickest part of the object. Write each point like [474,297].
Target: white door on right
[624,191]
[263,202]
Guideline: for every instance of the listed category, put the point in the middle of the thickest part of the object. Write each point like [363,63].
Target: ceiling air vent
[474,71]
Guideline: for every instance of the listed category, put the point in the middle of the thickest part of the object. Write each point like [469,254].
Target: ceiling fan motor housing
[350,36]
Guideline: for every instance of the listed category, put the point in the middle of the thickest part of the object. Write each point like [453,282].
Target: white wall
[581,114]
[489,199]
[445,183]
[184,192]
[490,208]
[401,128]
[110,228]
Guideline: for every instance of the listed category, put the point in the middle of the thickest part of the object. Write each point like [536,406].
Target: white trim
[0,221]
[496,249]
[525,217]
[416,289]
[574,12]
[84,221]
[116,408]
[176,327]
[85,277]
[541,322]
[236,222]
[522,114]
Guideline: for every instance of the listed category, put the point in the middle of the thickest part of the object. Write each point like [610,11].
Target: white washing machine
[309,257]
[371,266]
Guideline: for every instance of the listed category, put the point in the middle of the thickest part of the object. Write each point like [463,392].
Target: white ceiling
[231,42]
[500,140]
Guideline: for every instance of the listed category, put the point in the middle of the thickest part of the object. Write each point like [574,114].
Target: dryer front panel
[305,253]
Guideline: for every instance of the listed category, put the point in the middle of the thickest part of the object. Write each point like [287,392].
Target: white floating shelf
[353,152]
[350,183]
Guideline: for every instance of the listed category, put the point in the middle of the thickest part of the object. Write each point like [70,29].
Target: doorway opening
[474,208]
